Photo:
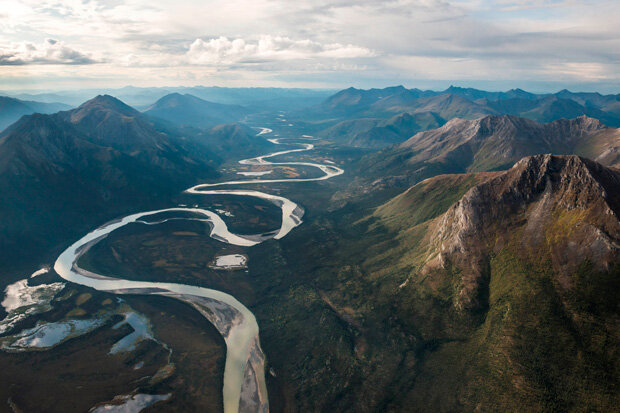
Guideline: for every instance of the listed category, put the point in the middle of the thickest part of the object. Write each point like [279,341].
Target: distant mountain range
[232,141]
[352,107]
[377,133]
[189,110]
[473,103]
[12,109]
[489,143]
[257,99]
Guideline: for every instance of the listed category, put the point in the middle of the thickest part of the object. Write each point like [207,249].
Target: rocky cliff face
[564,205]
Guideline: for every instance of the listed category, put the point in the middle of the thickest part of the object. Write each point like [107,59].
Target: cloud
[223,51]
[360,41]
[51,51]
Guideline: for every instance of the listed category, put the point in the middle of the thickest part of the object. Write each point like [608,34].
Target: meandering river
[244,387]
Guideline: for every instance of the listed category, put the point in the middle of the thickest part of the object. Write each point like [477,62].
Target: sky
[538,45]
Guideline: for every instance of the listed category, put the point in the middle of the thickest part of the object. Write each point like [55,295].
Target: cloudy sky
[540,45]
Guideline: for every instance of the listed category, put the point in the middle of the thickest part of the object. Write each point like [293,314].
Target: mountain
[358,104]
[358,98]
[108,121]
[487,291]
[12,109]
[354,101]
[467,103]
[515,284]
[62,172]
[256,99]
[447,106]
[105,120]
[190,110]
[551,108]
[491,143]
[589,99]
[476,94]
[233,141]
[377,133]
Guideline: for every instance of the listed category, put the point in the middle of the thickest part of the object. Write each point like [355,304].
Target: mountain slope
[492,291]
[541,195]
[467,103]
[476,94]
[552,108]
[493,142]
[189,110]
[62,172]
[528,260]
[12,109]
[447,106]
[376,133]
[105,120]
[233,141]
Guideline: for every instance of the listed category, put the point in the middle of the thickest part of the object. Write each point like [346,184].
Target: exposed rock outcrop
[566,205]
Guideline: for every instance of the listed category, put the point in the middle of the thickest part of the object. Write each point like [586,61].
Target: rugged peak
[576,180]
[491,124]
[531,204]
[585,121]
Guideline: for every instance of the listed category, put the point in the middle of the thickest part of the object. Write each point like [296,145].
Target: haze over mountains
[12,109]
[255,97]
[377,133]
[193,111]
[470,104]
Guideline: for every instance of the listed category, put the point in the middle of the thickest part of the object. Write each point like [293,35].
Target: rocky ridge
[567,205]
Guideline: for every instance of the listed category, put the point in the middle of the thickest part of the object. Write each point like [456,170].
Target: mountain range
[377,133]
[490,143]
[465,103]
[469,101]
[96,160]
[257,98]
[12,109]
[483,291]
[189,110]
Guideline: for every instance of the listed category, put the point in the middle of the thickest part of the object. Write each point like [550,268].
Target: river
[244,388]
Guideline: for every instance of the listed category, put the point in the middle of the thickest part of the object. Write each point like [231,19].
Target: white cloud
[223,51]
[51,51]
